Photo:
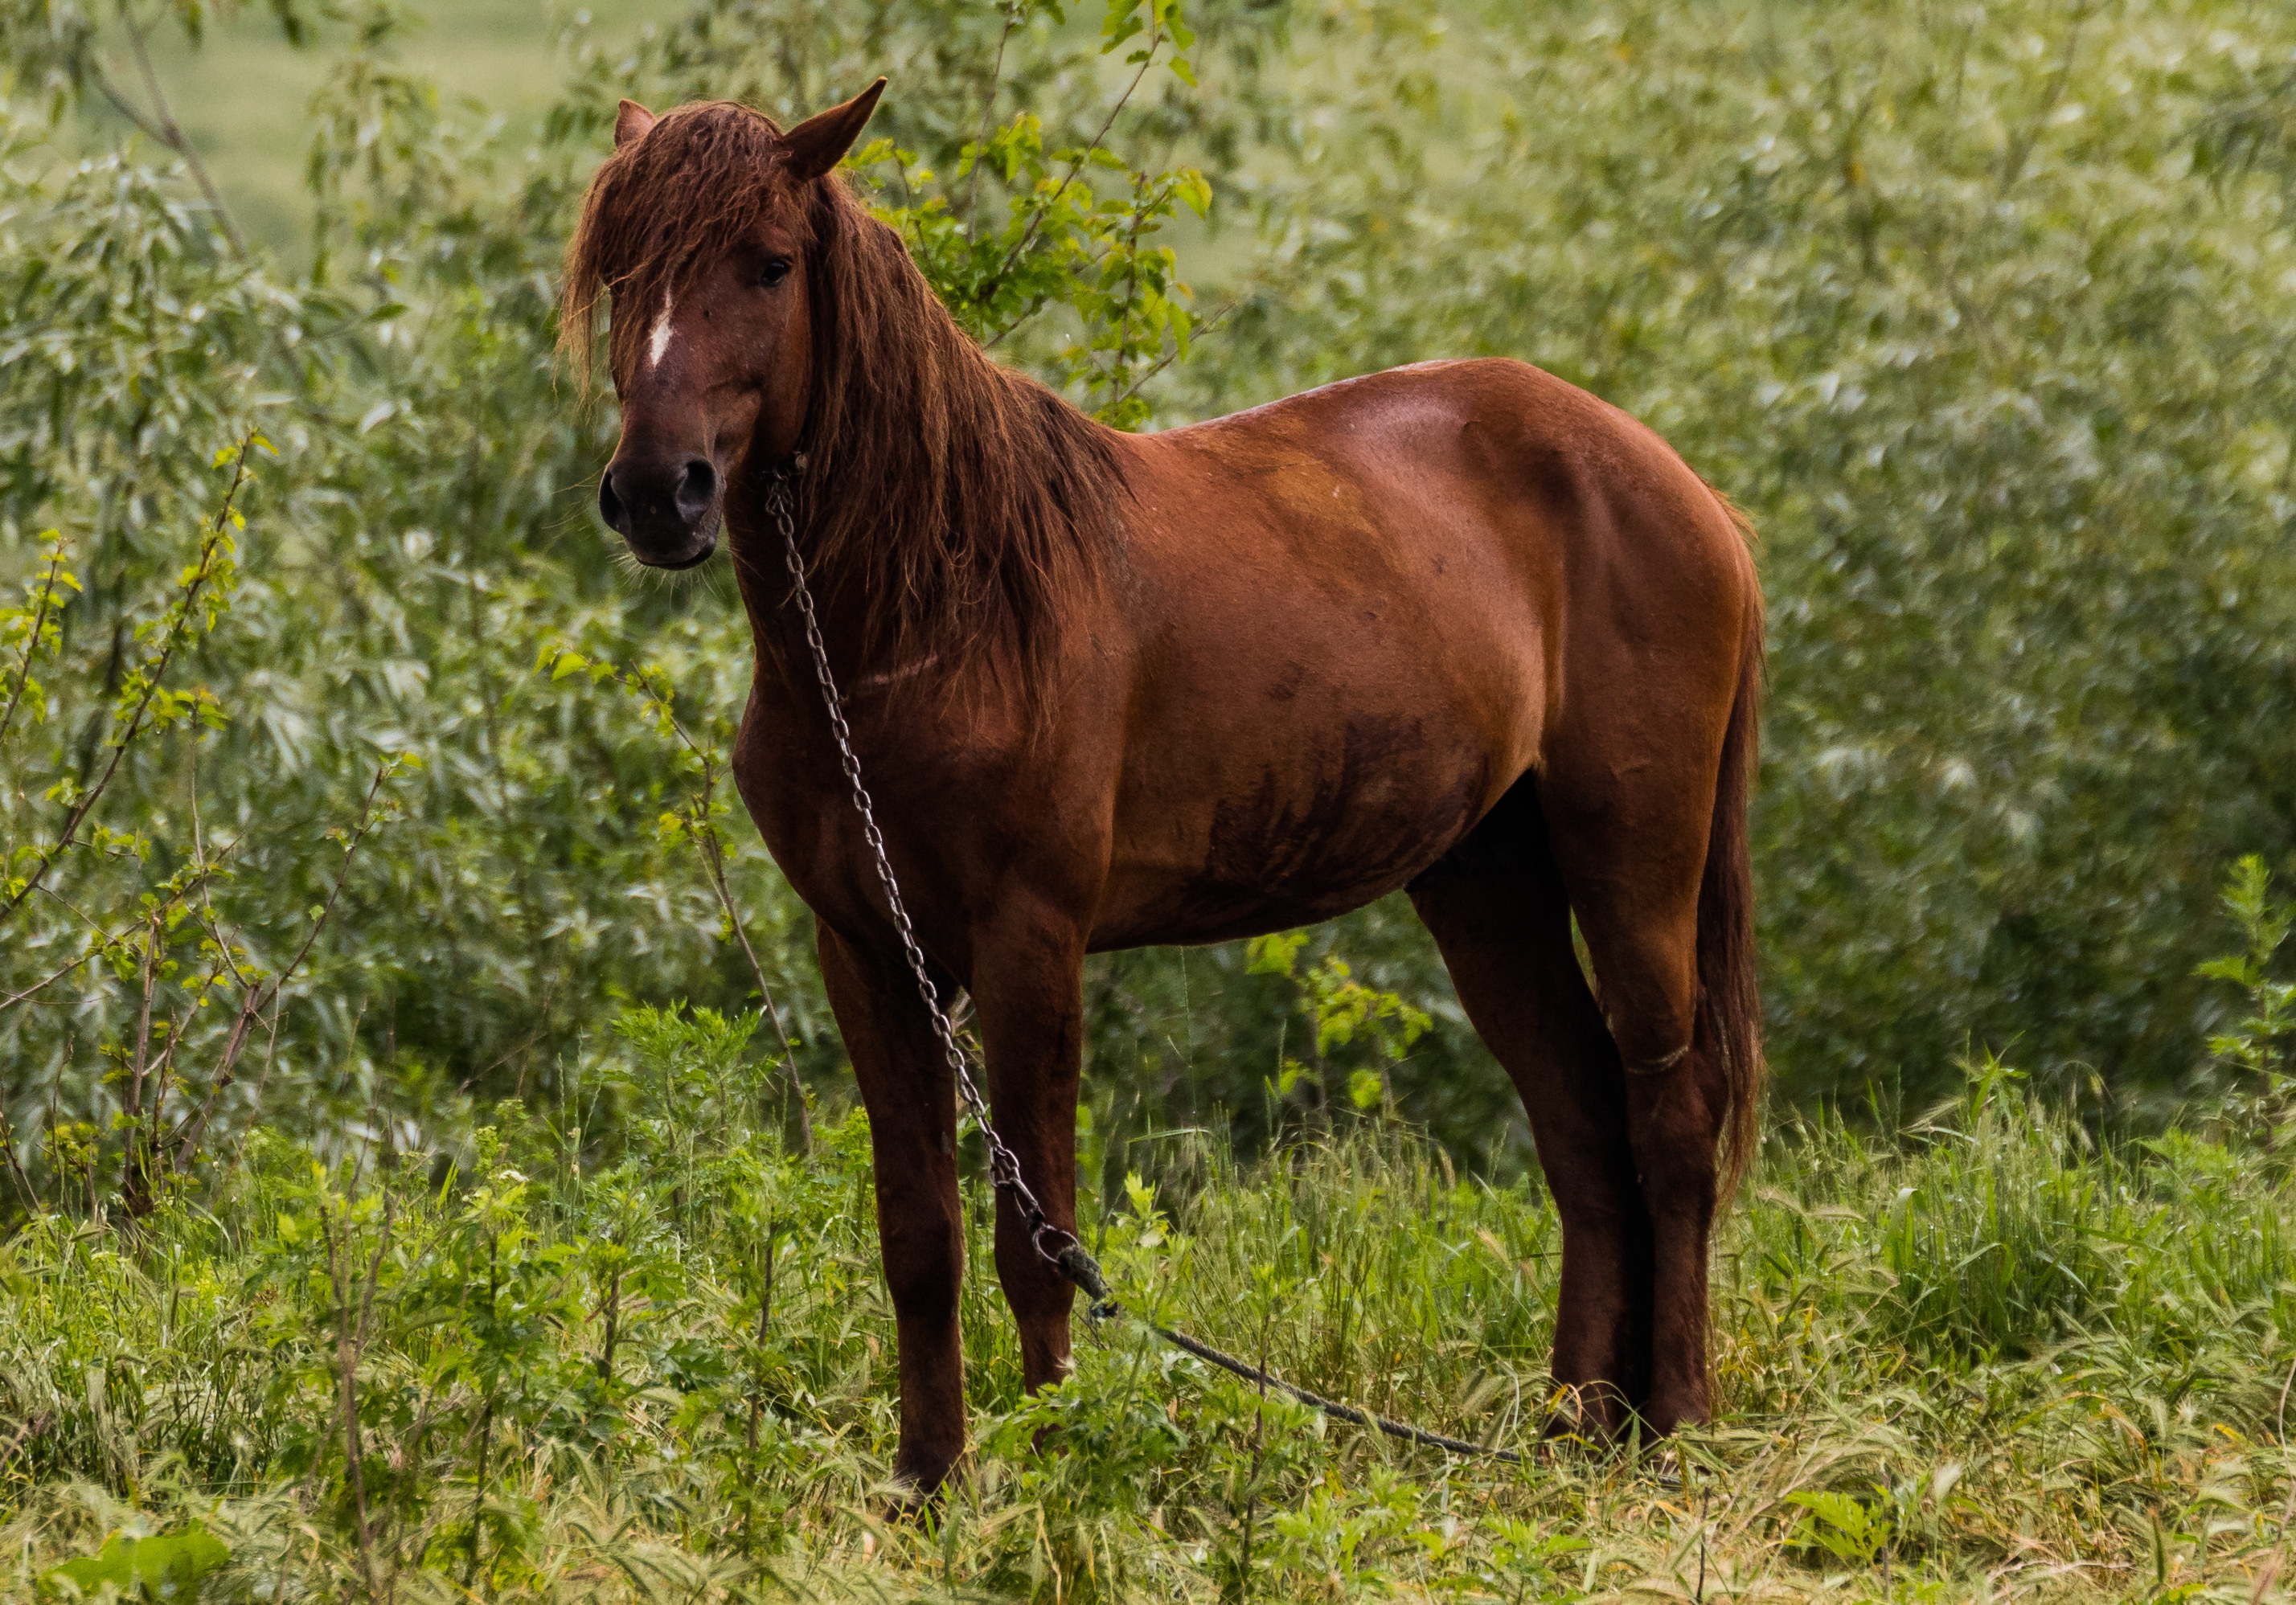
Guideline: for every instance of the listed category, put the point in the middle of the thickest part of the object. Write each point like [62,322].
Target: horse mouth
[700,554]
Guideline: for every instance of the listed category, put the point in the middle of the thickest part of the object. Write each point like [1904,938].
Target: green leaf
[170,1568]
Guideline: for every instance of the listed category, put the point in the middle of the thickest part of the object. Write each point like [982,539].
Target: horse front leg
[1027,988]
[911,1097]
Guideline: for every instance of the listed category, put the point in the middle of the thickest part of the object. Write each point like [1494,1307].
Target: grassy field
[1999,1360]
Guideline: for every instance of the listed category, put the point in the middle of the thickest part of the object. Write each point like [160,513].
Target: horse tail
[1729,1021]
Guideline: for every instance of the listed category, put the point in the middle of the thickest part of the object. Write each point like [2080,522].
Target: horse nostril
[697,490]
[609,505]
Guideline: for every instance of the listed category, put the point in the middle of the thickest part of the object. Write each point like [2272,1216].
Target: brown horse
[1460,628]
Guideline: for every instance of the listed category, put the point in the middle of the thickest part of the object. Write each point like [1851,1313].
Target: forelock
[665,207]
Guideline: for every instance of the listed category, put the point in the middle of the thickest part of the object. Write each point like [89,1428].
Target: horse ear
[820,142]
[631,125]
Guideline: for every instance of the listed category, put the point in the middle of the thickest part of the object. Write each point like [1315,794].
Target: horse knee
[1648,990]
[1653,1037]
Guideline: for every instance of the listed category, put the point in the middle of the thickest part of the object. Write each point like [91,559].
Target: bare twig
[150,979]
[2021,147]
[163,1066]
[700,826]
[135,1179]
[765,1325]
[81,915]
[1699,1597]
[270,1054]
[713,858]
[259,995]
[33,1425]
[988,109]
[129,109]
[349,1342]
[170,133]
[47,593]
[1259,1459]
[1029,235]
[30,1194]
[1173,355]
[155,670]
[105,942]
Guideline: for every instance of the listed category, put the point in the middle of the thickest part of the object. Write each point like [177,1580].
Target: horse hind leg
[1497,911]
[1635,865]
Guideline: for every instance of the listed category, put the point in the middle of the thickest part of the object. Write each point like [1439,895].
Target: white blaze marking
[658,342]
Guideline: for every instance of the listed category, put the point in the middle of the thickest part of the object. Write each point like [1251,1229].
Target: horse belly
[1347,614]
[1303,837]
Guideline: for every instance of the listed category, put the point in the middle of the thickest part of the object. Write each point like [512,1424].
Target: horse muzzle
[666,511]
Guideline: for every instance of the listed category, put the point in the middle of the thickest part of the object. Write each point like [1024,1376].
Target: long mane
[957,506]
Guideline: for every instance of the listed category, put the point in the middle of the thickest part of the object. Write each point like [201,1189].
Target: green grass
[1992,1359]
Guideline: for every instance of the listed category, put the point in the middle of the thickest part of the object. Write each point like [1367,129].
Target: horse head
[700,228]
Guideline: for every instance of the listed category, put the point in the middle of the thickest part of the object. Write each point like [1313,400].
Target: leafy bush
[1970,319]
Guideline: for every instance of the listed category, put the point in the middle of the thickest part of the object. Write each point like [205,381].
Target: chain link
[1067,1255]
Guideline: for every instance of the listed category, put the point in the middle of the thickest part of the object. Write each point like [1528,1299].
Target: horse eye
[775,272]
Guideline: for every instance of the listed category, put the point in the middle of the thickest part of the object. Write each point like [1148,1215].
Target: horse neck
[959,515]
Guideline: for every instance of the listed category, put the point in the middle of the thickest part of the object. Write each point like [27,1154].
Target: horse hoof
[1595,1418]
[918,1486]
[1663,1418]
[907,1505]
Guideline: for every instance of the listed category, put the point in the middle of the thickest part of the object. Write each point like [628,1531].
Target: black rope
[1331,1407]
[1080,1269]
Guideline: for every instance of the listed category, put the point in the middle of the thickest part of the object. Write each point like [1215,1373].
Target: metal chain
[1067,1256]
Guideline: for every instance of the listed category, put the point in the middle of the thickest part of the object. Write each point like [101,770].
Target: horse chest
[926,799]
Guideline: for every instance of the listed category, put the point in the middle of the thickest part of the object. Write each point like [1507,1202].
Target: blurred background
[242,88]
[1980,310]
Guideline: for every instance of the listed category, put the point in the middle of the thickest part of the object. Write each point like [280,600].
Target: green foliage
[361,603]
[2020,681]
[164,1568]
[1848,1528]
[625,1344]
[1061,243]
[28,631]
[357,637]
[344,951]
[1338,1008]
[2254,1044]
[1969,317]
